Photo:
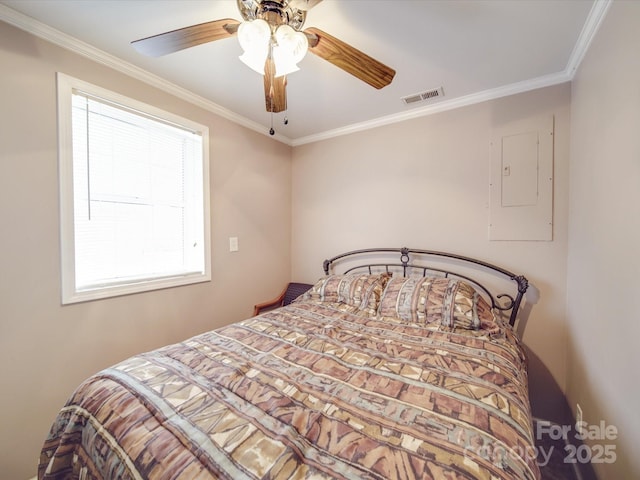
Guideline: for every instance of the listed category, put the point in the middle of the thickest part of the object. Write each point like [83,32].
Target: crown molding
[591,25]
[443,106]
[39,29]
[79,47]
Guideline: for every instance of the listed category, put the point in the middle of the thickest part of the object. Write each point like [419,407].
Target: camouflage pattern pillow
[445,301]
[358,290]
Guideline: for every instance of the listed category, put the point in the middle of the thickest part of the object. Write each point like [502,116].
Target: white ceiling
[474,49]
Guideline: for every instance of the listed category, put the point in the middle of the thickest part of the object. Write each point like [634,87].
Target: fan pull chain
[271,89]
[271,130]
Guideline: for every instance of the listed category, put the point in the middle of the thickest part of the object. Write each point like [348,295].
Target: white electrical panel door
[522,181]
[520,159]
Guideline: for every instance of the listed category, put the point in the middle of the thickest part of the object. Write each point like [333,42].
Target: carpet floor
[552,456]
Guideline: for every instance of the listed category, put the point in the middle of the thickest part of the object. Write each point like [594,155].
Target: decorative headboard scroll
[415,260]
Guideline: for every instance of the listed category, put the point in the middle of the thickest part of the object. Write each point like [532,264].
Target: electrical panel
[521,206]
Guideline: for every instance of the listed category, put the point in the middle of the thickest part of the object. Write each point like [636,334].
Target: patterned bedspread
[308,391]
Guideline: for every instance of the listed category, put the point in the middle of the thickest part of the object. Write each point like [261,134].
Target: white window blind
[138,196]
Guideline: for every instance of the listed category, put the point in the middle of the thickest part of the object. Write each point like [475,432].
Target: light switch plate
[233,244]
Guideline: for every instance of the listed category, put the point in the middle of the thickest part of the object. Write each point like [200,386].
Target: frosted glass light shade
[290,47]
[254,38]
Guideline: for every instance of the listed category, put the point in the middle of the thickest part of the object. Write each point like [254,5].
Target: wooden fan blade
[275,89]
[186,37]
[349,59]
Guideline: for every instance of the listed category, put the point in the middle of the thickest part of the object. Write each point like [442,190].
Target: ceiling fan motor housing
[274,12]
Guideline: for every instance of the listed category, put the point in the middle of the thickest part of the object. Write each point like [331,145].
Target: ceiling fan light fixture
[287,46]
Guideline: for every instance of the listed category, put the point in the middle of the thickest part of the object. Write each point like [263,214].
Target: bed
[385,369]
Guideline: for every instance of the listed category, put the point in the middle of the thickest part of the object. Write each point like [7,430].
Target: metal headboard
[504,301]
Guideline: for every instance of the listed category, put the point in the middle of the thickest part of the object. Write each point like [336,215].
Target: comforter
[308,391]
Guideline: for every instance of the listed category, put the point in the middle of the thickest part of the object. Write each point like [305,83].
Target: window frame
[70,294]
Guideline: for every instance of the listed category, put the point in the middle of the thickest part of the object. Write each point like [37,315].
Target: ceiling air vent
[423,96]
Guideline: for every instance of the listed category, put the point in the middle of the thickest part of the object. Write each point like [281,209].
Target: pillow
[358,290]
[445,301]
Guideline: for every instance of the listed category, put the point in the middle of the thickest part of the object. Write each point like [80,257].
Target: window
[134,195]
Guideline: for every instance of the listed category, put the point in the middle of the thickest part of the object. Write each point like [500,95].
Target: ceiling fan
[270,29]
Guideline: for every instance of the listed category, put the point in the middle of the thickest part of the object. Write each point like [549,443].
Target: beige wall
[604,237]
[424,183]
[47,349]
